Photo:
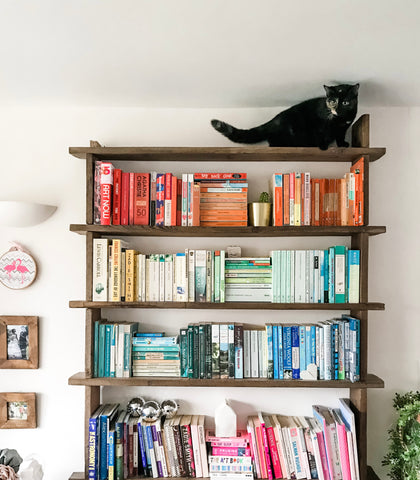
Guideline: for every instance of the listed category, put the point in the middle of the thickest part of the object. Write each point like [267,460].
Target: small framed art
[17,410]
[18,342]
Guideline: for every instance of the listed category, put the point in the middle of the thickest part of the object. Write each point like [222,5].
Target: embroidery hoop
[18,268]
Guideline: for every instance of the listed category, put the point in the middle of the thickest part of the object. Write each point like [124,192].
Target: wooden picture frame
[17,410]
[19,342]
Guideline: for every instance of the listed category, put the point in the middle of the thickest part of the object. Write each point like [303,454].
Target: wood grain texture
[360,132]
[371,381]
[9,397]
[148,231]
[227,154]
[33,337]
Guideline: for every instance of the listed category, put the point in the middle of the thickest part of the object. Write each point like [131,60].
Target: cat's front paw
[343,144]
[323,146]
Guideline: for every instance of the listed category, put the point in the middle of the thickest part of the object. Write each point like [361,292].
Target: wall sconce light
[24,214]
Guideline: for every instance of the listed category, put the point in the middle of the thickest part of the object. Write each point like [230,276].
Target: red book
[168,199]
[292,198]
[286,199]
[274,454]
[160,199]
[131,196]
[195,205]
[106,192]
[125,195]
[174,200]
[141,200]
[219,176]
[116,197]
[277,197]
[266,446]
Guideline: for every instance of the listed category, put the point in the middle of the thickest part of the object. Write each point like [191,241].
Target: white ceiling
[206,53]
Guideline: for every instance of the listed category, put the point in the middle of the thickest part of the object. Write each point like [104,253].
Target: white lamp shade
[24,214]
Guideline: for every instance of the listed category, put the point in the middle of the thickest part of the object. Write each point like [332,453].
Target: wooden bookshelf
[200,155]
[372,381]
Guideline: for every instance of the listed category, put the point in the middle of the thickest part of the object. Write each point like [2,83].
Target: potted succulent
[259,213]
[403,456]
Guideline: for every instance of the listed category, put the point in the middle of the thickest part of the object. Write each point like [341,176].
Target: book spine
[239,351]
[231,351]
[168,199]
[116,197]
[97,193]
[160,199]
[224,351]
[93,446]
[188,450]
[100,270]
[275,460]
[106,192]
[142,447]
[152,194]
[295,352]
[141,199]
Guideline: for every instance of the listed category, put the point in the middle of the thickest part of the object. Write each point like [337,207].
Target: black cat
[314,123]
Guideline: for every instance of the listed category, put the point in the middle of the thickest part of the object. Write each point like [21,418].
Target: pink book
[241,439]
[231,451]
[260,447]
[107,175]
[342,444]
[266,447]
[274,454]
[280,447]
[253,445]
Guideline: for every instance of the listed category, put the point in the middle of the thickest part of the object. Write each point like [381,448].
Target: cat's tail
[253,135]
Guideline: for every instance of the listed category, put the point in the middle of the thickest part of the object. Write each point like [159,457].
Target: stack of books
[223,199]
[248,279]
[230,457]
[300,200]
[155,355]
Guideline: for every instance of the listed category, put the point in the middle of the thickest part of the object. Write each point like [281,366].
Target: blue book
[109,411]
[156,348]
[113,351]
[111,454]
[151,450]
[142,448]
[93,444]
[354,349]
[119,442]
[149,334]
[280,337]
[96,349]
[295,352]
[146,449]
[108,329]
[270,357]
[275,341]
[160,204]
[287,352]
[334,350]
[173,340]
[331,274]
[313,344]
[302,347]
[321,276]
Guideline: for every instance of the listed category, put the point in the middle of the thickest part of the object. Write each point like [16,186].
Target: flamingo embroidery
[10,268]
[21,268]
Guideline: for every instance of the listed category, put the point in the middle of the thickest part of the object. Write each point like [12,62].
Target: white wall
[36,166]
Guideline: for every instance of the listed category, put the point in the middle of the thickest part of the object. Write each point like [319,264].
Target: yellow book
[130,276]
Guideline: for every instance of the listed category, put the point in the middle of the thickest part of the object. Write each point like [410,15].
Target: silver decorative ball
[169,408]
[135,406]
[151,411]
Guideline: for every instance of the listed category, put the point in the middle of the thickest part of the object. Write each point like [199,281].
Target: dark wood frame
[359,240]
[8,397]
[32,323]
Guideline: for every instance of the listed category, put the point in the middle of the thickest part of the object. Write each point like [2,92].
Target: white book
[302,443]
[113,351]
[283,269]
[202,443]
[247,353]
[180,277]
[153,277]
[254,354]
[196,446]
[169,277]
[190,199]
[308,275]
[161,449]
[119,364]
[292,276]
[300,267]
[264,354]
[147,277]
[191,254]
[100,270]
[184,203]
[313,428]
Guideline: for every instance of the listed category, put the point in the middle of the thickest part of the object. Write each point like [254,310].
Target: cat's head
[342,99]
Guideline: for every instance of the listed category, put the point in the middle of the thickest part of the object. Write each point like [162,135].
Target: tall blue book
[295,352]
[109,412]
[287,352]
[93,444]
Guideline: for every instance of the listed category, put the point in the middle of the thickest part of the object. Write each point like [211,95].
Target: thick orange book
[358,169]
[298,199]
[219,196]
[286,199]
[196,205]
[223,217]
[276,186]
[224,189]
[229,223]
[322,188]
[223,206]
[315,202]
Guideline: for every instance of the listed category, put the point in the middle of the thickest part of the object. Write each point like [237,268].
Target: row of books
[299,199]
[163,199]
[324,446]
[124,446]
[286,276]
[316,276]
[328,350]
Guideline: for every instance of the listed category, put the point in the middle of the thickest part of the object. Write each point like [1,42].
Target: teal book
[202,351]
[101,351]
[108,334]
[231,351]
[96,349]
[190,336]
[183,347]
[200,275]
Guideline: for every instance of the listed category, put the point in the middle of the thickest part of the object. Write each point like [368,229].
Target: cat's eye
[346,103]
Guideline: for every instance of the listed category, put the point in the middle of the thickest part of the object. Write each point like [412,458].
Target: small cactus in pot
[259,213]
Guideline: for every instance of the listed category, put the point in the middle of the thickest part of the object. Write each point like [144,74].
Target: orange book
[276,186]
[196,205]
[223,190]
[223,206]
[298,199]
[358,169]
[342,211]
[286,199]
[315,202]
[223,217]
[334,201]
[306,199]
[242,196]
[322,187]
[212,199]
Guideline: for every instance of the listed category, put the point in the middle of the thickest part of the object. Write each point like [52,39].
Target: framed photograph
[18,342]
[17,410]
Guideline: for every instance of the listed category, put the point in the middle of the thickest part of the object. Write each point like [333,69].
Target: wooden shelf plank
[231,154]
[148,231]
[372,381]
[230,305]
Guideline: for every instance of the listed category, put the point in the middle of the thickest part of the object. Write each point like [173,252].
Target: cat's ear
[355,88]
[329,90]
